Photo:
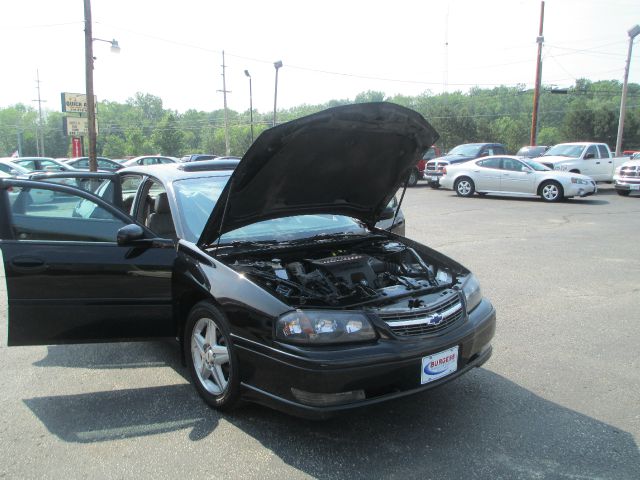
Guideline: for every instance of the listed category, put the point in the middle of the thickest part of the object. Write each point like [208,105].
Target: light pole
[246,72]
[91,107]
[633,32]
[278,66]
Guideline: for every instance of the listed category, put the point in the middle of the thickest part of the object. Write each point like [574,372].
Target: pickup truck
[587,158]
[459,154]
[627,178]
[418,171]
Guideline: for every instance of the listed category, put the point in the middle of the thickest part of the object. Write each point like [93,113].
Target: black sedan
[272,273]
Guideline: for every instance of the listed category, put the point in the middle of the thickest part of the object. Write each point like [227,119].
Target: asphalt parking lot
[560,398]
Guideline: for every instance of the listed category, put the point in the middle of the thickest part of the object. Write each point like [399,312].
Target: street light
[246,72]
[278,66]
[91,107]
[633,32]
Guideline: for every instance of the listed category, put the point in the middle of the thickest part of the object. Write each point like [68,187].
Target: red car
[418,172]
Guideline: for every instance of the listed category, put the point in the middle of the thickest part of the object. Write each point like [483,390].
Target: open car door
[69,279]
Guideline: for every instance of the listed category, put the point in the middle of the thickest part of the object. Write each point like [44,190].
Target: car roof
[170,172]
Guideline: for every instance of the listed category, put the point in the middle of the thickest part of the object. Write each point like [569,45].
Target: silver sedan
[509,175]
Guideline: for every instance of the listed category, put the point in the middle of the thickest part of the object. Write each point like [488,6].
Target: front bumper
[388,369]
[580,190]
[433,176]
[627,185]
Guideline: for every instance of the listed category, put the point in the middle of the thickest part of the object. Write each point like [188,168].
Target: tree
[167,137]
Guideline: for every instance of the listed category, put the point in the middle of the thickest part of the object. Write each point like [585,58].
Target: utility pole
[633,32]
[226,116]
[536,93]
[91,107]
[39,132]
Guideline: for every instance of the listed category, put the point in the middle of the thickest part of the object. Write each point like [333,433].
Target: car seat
[160,221]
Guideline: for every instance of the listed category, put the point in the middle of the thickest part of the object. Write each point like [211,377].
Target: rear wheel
[624,193]
[464,187]
[211,357]
[551,191]
[434,185]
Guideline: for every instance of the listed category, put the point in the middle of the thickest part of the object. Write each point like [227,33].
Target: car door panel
[516,177]
[63,287]
[486,174]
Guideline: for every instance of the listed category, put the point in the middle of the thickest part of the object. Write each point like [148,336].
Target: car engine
[366,273]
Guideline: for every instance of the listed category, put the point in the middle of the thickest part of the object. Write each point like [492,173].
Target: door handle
[597,163]
[28,264]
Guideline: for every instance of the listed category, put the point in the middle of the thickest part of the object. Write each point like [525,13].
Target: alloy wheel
[210,356]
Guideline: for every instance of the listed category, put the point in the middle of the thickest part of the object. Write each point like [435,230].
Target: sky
[329,49]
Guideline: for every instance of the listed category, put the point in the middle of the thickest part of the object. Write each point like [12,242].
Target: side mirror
[388,213]
[129,234]
[589,156]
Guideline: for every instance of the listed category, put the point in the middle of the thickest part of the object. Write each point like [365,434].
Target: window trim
[6,233]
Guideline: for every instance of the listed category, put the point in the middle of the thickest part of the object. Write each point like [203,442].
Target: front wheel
[211,357]
[551,191]
[413,178]
[464,187]
[624,193]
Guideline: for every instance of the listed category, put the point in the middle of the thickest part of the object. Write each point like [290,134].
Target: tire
[551,191]
[211,357]
[413,178]
[464,187]
[434,185]
[623,193]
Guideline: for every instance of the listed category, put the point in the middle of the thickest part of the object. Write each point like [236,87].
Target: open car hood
[347,160]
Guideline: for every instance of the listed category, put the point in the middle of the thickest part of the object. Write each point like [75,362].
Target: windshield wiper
[251,244]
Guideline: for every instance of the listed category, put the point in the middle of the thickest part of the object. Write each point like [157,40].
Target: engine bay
[369,272]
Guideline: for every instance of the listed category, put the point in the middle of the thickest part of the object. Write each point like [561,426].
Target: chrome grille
[630,171]
[420,323]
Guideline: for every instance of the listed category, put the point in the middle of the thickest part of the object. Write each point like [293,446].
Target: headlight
[472,292]
[321,327]
[579,181]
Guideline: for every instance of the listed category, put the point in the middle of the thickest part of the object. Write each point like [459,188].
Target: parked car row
[594,161]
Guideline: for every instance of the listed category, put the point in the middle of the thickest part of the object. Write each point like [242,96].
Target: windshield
[537,166]
[298,227]
[468,150]
[565,150]
[196,198]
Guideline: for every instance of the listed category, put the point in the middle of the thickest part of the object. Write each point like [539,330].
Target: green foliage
[167,136]
[589,111]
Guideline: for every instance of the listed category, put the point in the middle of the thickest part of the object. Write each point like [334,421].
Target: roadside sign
[75,102]
[76,126]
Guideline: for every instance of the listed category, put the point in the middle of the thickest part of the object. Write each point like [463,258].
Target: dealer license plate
[439,365]
[634,187]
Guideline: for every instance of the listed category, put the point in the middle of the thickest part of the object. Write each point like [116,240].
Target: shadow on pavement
[115,356]
[102,416]
[480,426]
